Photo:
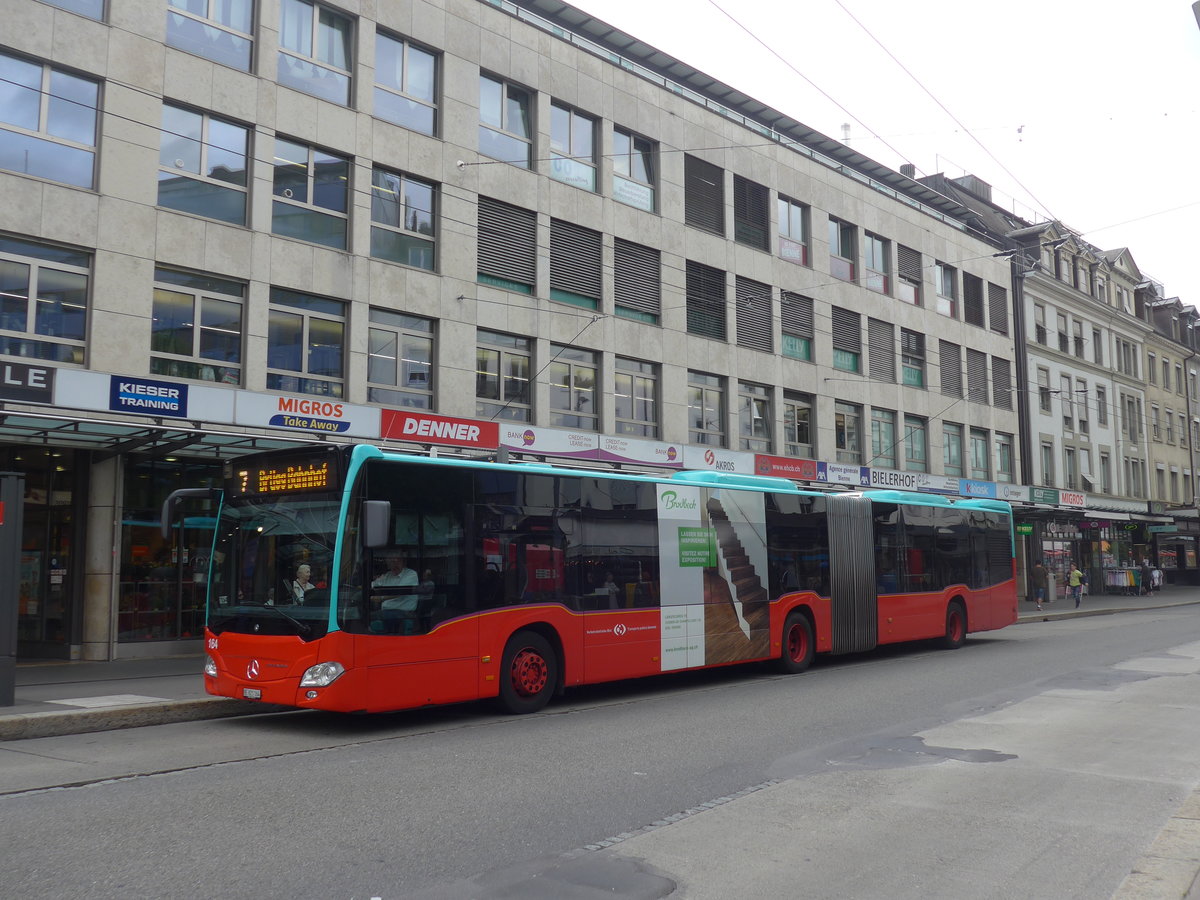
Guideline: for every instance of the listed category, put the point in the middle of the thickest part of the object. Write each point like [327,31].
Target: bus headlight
[210,666]
[322,674]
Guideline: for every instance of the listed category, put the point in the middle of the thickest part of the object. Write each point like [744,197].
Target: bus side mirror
[376,523]
[167,520]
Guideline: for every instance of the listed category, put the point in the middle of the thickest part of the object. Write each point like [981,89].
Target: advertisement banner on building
[840,473]
[717,460]
[631,450]
[785,467]
[549,441]
[147,397]
[984,489]
[914,481]
[24,383]
[1012,493]
[1072,498]
[428,428]
[309,414]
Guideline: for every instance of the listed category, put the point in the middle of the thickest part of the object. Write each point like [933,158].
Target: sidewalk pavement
[55,697]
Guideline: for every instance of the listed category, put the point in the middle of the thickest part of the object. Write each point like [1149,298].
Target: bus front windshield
[271,567]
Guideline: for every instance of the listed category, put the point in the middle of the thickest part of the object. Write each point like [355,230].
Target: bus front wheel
[956,626]
[528,673]
[796,652]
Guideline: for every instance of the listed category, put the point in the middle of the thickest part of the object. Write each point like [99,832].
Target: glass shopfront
[1177,558]
[50,577]
[161,591]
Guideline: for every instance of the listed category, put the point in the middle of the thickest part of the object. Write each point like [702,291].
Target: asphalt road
[1039,761]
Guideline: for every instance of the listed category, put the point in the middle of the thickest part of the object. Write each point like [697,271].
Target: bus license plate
[252,693]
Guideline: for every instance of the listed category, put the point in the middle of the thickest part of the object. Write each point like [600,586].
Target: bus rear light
[322,674]
[210,667]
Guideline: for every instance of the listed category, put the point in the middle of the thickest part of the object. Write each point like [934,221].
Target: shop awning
[1113,516]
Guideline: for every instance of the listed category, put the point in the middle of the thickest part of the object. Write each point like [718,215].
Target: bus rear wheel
[528,673]
[956,626]
[796,650]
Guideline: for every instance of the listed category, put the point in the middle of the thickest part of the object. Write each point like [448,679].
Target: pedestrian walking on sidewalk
[1147,577]
[1075,583]
[1041,579]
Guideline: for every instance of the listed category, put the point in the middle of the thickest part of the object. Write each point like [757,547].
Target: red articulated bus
[358,580]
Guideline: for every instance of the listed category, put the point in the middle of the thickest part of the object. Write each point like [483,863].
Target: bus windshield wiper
[301,627]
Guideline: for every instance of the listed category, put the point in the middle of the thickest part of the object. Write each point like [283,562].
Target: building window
[503,364]
[754,315]
[1169,423]
[505,126]
[1155,424]
[574,264]
[1097,347]
[1101,405]
[793,231]
[883,438]
[1081,405]
[847,432]
[751,213]
[637,281]
[796,326]
[311,194]
[572,376]
[908,267]
[705,301]
[196,327]
[703,195]
[402,216]
[1039,324]
[977,376]
[997,308]
[847,340]
[405,84]
[951,368]
[219,30]
[400,360]
[1077,337]
[946,279]
[912,358]
[1064,340]
[916,455]
[202,165]
[315,50]
[706,409]
[1178,378]
[93,9]
[507,253]
[797,424]
[635,392]
[1066,398]
[881,344]
[1070,469]
[755,428]
[1105,474]
[43,301]
[981,455]
[47,122]
[634,170]
[306,337]
[572,147]
[952,449]
[1043,380]
[877,254]
[1001,383]
[841,249]
[1048,465]
[973,311]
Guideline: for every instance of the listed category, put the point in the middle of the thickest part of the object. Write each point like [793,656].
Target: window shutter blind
[637,277]
[507,242]
[754,315]
[950,362]
[703,195]
[977,387]
[574,259]
[881,341]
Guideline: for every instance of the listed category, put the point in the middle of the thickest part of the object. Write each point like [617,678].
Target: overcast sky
[1079,110]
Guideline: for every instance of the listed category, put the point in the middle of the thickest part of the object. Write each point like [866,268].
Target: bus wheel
[797,650]
[956,626]
[528,673]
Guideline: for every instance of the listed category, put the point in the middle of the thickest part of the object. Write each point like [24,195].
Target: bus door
[853,599]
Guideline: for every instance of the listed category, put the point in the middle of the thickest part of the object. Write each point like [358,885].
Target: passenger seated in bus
[398,575]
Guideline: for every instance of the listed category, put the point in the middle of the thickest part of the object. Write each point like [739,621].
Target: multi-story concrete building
[240,226]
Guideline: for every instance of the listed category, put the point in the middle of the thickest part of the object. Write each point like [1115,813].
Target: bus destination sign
[284,478]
